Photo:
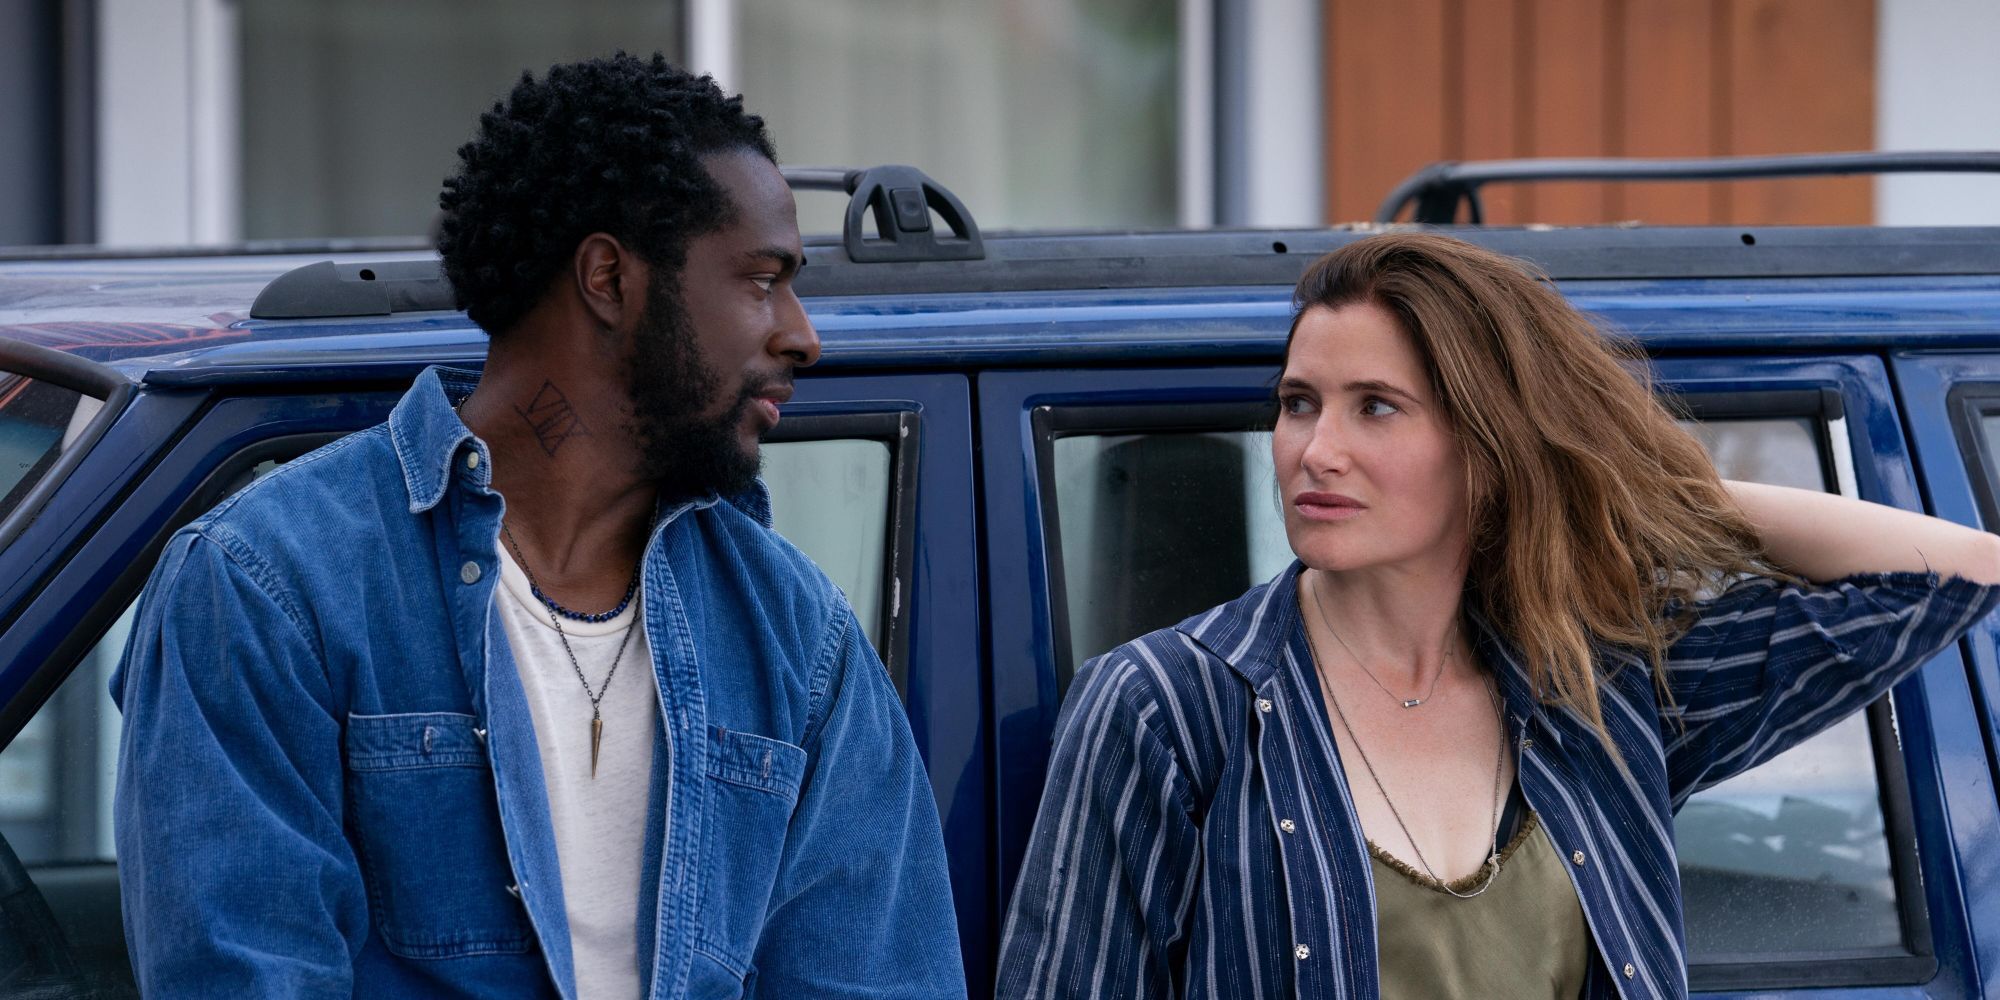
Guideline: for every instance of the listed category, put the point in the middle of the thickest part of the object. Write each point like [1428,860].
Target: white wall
[1286,185]
[166,126]
[1938,87]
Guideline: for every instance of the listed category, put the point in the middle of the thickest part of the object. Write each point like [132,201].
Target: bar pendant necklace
[596,697]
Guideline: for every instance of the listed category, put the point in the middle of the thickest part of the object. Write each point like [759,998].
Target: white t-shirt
[600,823]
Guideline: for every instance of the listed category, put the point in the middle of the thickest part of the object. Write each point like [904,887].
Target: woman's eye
[1378,407]
[1295,405]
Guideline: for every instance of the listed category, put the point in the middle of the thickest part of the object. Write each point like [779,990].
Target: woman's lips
[1328,507]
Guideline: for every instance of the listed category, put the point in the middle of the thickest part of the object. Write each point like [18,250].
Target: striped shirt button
[1630,971]
[1263,704]
[1527,744]
[1302,952]
[1576,856]
[1287,825]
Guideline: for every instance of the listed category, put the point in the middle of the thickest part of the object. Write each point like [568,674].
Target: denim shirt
[329,783]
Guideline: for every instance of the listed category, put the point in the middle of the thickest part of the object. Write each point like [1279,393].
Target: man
[500,698]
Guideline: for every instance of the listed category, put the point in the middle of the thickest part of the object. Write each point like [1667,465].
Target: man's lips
[1328,506]
[768,400]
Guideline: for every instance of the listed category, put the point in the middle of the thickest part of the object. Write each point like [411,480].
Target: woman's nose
[1328,451]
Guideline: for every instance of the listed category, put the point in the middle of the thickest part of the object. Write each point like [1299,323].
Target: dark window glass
[38,420]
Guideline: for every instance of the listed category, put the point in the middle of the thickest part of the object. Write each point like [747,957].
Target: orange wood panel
[1570,108]
[1802,79]
[1386,106]
[1668,106]
[1493,74]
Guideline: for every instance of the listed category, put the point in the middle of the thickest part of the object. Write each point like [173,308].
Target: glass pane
[37,422]
[1989,426]
[352,112]
[1137,510]
[1782,451]
[1792,856]
[1057,113]
[831,499]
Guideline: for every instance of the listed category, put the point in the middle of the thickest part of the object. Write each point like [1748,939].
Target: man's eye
[764,281]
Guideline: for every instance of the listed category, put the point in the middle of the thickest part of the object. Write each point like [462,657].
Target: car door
[856,468]
[1953,401]
[1120,501]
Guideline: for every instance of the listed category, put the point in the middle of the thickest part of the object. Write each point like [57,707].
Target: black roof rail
[1437,190]
[902,199]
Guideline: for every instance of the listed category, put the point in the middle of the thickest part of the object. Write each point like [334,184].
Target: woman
[1440,754]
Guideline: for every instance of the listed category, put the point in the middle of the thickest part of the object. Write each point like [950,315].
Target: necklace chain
[596,718]
[1492,865]
[1444,654]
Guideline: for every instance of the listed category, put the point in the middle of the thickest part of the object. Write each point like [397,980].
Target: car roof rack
[1437,191]
[900,200]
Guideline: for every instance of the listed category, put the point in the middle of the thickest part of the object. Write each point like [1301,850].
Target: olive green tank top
[1523,937]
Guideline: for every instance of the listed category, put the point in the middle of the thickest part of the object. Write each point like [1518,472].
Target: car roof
[1049,298]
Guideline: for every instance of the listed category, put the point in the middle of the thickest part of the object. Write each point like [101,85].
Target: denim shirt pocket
[753,787]
[426,826]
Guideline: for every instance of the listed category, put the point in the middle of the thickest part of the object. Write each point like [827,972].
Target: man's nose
[796,341]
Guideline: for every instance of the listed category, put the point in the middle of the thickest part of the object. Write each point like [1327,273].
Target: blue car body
[983,366]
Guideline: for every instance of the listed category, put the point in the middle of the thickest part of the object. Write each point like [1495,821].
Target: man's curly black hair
[605,145]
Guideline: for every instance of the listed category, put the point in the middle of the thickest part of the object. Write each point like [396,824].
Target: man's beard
[685,454]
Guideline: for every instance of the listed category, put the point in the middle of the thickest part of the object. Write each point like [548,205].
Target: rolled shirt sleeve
[1769,663]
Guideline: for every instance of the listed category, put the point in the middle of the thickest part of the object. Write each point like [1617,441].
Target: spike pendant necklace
[597,696]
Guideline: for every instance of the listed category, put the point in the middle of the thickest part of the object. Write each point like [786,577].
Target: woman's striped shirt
[1196,837]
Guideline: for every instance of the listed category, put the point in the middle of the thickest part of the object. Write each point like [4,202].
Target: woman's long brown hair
[1593,514]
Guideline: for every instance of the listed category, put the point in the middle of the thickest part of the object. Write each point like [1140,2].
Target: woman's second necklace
[1492,865]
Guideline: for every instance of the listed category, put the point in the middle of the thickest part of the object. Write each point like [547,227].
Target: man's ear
[610,280]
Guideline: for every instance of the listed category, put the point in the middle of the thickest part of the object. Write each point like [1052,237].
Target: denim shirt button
[469,572]
[515,889]
[472,459]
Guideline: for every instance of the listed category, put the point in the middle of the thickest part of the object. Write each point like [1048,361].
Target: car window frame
[1970,403]
[1824,406]
[902,430]
[78,375]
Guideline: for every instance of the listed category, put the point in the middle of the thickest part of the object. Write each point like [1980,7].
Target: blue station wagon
[1013,450]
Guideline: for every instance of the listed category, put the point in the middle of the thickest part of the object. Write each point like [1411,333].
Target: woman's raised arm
[1824,537]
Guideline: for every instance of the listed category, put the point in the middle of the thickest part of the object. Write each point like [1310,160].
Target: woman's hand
[1824,537]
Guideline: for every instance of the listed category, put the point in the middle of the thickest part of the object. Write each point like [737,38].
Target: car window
[39,420]
[1789,859]
[831,499]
